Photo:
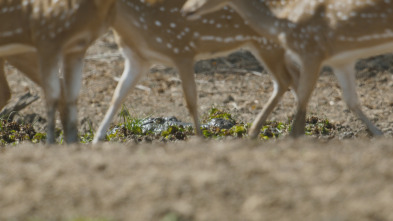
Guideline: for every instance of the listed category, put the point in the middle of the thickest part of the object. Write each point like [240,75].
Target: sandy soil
[237,180]
[306,179]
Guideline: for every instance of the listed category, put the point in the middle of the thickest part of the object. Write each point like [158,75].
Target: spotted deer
[59,32]
[317,33]
[158,33]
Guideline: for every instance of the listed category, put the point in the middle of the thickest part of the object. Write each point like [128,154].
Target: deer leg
[282,81]
[185,69]
[49,67]
[5,91]
[346,78]
[278,92]
[71,85]
[134,67]
[306,84]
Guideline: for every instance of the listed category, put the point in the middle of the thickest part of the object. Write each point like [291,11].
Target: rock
[159,124]
[221,123]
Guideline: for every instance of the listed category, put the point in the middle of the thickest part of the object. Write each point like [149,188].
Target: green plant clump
[14,132]
[131,129]
[176,133]
[217,113]
[318,126]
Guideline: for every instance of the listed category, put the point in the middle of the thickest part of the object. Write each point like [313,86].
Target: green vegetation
[177,133]
[239,131]
[317,126]
[274,129]
[215,113]
[131,128]
[88,136]
[15,133]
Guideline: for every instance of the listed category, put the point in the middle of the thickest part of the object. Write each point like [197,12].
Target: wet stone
[220,123]
[157,125]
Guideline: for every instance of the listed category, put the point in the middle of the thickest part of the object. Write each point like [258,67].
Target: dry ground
[238,180]
[306,179]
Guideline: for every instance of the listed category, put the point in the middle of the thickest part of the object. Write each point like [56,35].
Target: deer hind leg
[49,67]
[71,85]
[278,92]
[282,81]
[306,84]
[185,69]
[5,92]
[134,68]
[346,78]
